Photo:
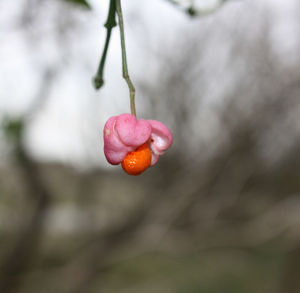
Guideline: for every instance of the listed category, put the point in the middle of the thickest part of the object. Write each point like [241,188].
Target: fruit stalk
[124,59]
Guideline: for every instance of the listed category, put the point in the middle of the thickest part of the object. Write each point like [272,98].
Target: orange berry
[137,161]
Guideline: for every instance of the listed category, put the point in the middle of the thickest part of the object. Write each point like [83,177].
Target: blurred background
[220,212]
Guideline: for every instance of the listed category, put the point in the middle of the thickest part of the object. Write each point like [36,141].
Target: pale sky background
[68,127]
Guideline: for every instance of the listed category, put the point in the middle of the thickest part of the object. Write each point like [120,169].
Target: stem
[109,24]
[124,59]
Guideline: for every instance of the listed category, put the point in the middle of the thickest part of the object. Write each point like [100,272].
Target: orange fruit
[137,161]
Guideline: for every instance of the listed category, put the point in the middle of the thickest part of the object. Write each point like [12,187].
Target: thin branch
[109,24]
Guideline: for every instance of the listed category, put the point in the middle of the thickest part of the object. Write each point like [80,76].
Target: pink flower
[124,133]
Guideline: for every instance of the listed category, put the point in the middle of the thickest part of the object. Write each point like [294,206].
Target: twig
[109,24]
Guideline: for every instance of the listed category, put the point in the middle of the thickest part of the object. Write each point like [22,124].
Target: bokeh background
[220,212]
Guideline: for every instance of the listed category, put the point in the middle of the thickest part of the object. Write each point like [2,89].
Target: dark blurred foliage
[217,214]
[82,3]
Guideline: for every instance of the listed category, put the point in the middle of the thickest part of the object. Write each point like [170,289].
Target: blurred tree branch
[192,11]
[26,246]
